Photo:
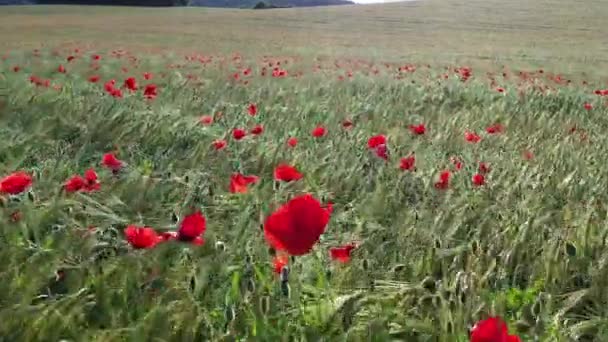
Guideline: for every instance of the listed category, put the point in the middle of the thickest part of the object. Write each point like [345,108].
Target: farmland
[383,172]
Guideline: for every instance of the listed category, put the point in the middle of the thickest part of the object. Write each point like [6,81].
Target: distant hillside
[206,3]
[279,3]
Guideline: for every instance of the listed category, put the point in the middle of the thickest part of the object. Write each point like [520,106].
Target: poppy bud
[285,289]
[285,274]
[31,196]
[365,264]
[192,284]
[450,327]
[251,285]
[570,249]
[265,304]
[229,313]
[398,268]
[429,284]
[219,245]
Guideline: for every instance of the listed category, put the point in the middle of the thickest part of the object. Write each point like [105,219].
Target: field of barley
[432,170]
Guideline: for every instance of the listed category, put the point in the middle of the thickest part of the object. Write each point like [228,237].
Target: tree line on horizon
[169,3]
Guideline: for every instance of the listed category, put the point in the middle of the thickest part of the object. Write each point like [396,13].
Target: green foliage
[528,246]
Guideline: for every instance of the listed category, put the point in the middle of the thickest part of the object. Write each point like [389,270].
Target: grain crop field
[419,171]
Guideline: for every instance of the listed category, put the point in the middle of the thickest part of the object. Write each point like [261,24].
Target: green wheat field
[457,149]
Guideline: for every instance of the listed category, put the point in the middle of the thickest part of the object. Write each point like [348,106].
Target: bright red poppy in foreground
[238,133]
[319,132]
[484,168]
[472,137]
[239,183]
[206,120]
[418,129]
[478,179]
[15,183]
[495,128]
[292,142]
[131,83]
[444,180]
[141,237]
[297,225]
[88,183]
[257,130]
[74,184]
[492,329]
[408,163]
[376,141]
[286,173]
[342,254]
[192,228]
[252,109]
[110,161]
[150,91]
[219,144]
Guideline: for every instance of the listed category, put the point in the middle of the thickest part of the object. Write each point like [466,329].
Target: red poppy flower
[408,163]
[238,133]
[495,128]
[444,180]
[280,261]
[347,124]
[94,78]
[257,130]
[478,179]
[141,237]
[500,89]
[319,131]
[206,120]
[16,216]
[588,106]
[492,329]
[457,163]
[74,184]
[484,168]
[252,109]
[219,144]
[96,57]
[296,226]
[116,93]
[16,68]
[150,91]
[192,227]
[110,161]
[472,137]
[239,182]
[376,141]
[341,254]
[418,129]
[131,84]
[61,69]
[286,173]
[292,142]
[91,182]
[528,155]
[15,183]
[381,151]
[70,58]
[147,76]
[109,86]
